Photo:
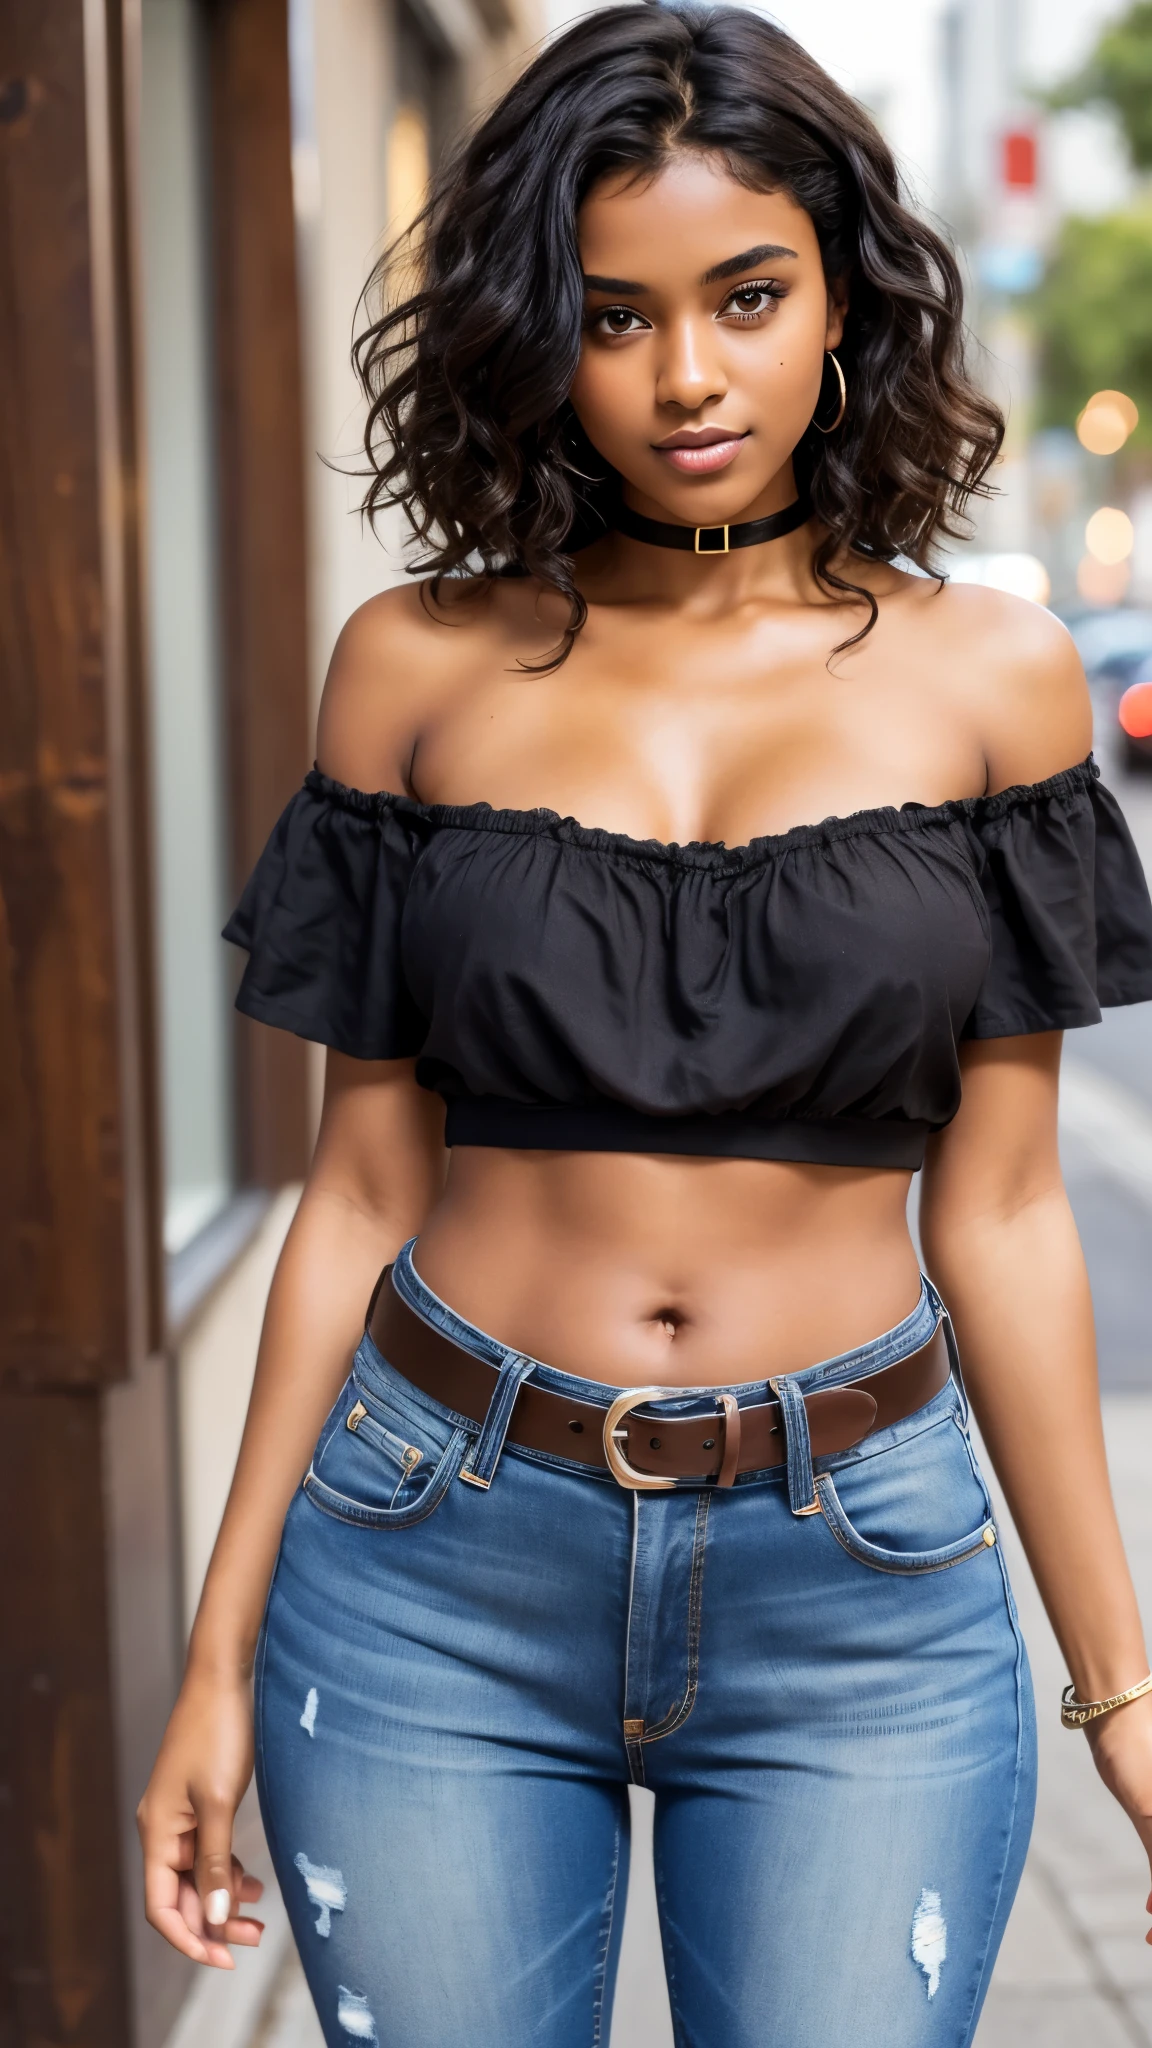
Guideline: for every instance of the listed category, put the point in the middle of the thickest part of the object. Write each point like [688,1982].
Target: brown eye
[618,320]
[751,301]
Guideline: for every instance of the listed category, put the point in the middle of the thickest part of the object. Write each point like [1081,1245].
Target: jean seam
[1018,1639]
[633,1749]
[899,1571]
[427,1403]
[1011,1827]
[667,1950]
[607,1922]
[679,1714]
[372,1518]
[265,1802]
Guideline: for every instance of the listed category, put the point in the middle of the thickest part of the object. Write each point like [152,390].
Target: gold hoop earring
[843,397]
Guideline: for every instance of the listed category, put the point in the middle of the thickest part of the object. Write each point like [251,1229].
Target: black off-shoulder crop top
[801,997]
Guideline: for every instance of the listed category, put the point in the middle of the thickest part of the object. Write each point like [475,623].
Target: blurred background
[192,193]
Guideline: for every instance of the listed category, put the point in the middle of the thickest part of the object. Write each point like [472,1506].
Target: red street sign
[1019,160]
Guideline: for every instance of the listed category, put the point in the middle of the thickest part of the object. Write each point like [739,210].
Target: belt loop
[794,1417]
[954,1361]
[945,1323]
[480,1468]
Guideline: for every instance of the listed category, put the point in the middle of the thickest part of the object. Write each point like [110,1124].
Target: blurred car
[1114,643]
[1116,648]
[1134,713]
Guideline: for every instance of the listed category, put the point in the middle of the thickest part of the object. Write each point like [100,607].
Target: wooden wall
[78,1263]
[82,1375]
[263,553]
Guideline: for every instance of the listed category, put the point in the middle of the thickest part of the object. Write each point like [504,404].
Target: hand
[185,1821]
[1122,1752]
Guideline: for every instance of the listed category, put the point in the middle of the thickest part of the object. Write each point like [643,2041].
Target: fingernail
[217,1907]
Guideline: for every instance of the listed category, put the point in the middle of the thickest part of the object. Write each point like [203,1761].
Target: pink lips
[701,454]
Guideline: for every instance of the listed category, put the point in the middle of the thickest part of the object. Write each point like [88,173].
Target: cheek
[604,394]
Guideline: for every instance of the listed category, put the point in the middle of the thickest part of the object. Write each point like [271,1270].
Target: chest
[719,734]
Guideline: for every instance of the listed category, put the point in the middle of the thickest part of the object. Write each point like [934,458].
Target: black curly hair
[468,365]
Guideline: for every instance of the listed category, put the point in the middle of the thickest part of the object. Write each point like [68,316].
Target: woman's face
[706,320]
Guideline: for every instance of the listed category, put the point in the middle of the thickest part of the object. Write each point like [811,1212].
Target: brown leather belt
[652,1451]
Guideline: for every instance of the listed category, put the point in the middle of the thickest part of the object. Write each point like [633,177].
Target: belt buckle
[649,1482]
[624,1473]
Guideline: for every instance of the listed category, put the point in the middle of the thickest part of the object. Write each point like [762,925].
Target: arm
[1001,1244]
[378,1167]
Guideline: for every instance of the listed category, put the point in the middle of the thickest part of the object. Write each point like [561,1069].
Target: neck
[621,569]
[617,570]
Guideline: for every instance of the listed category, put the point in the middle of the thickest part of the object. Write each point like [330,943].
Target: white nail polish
[218,1907]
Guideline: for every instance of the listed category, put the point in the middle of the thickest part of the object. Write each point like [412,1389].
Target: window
[426,113]
[191,843]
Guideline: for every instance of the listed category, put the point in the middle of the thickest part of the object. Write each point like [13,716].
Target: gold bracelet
[1076,1713]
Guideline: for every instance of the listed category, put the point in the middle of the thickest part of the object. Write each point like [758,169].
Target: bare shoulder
[399,659]
[1015,670]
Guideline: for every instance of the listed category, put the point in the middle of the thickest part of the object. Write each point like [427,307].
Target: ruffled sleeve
[1068,906]
[320,921]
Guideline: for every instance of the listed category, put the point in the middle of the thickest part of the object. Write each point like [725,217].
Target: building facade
[194,192]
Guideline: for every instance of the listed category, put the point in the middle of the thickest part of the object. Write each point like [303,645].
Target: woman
[653,1463]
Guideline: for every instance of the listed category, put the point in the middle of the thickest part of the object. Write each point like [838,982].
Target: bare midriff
[644,1270]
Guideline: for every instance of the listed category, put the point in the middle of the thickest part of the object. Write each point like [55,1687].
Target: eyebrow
[612,284]
[764,252]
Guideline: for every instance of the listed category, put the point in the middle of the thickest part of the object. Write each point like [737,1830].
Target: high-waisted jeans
[456,1686]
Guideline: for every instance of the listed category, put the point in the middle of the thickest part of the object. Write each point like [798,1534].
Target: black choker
[712,540]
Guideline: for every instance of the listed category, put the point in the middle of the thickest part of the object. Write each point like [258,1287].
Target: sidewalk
[1073,1968]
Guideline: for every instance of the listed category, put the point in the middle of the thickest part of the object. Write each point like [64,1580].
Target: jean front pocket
[380,1463]
[897,1510]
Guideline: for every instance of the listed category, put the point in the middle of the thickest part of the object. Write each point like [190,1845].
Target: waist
[653,1437]
[666,1268]
[752,1133]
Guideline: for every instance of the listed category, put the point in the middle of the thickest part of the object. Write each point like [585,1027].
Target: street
[1073,1969]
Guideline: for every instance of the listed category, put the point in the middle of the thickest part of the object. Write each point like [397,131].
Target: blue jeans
[455,1687]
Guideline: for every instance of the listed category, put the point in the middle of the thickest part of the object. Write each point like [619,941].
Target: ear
[837,313]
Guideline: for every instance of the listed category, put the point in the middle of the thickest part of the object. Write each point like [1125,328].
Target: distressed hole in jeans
[354,2016]
[929,1938]
[308,1717]
[326,1889]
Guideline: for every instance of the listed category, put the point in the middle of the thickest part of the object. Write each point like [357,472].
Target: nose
[690,371]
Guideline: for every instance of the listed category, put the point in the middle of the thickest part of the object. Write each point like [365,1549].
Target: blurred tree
[1119,75]
[1093,315]
[1093,310]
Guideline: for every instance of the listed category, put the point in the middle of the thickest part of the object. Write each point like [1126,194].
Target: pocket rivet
[411,1456]
[989,1536]
[355,1417]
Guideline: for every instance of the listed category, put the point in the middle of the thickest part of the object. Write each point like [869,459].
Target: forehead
[680,221]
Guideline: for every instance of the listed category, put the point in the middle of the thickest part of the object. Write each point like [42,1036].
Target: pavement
[1074,1971]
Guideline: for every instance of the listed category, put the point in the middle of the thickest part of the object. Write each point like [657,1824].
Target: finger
[240,1930]
[174,1928]
[215,1866]
[247,1890]
[162,1888]
[211,1939]
[243,1931]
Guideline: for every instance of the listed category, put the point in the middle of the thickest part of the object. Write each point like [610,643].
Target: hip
[428,1538]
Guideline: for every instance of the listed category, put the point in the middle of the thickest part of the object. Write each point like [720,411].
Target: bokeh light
[1102,582]
[1021,575]
[1106,422]
[1136,711]
[1109,535]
